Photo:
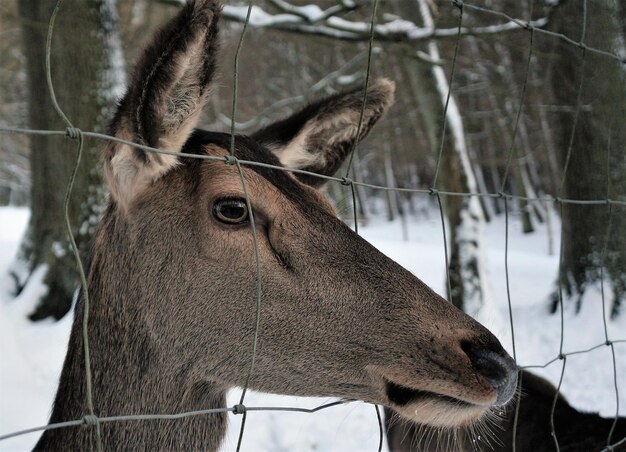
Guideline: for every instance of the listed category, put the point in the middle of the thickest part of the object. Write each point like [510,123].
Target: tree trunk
[597,161]
[465,215]
[87,73]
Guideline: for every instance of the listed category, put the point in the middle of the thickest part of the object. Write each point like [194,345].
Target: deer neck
[130,375]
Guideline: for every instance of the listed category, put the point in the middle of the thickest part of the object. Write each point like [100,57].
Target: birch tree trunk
[466,221]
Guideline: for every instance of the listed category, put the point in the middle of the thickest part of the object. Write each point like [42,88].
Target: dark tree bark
[597,161]
[86,72]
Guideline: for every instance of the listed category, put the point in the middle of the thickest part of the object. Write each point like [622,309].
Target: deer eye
[231,211]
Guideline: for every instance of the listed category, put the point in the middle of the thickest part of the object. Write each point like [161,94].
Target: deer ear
[169,87]
[321,136]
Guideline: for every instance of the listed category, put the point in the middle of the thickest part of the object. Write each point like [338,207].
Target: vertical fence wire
[442,139]
[354,208]
[74,133]
[561,276]
[520,108]
[521,103]
[444,121]
[602,292]
[257,320]
[561,356]
[506,275]
[578,99]
[518,391]
[381,434]
[445,244]
[347,180]
[368,69]
[554,401]
[241,408]
[606,331]
[236,78]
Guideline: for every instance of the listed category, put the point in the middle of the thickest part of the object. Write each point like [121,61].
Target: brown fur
[173,289]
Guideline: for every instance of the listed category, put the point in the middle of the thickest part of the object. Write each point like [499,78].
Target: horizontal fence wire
[343,180]
[93,420]
[237,409]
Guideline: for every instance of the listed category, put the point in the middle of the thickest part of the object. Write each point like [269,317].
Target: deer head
[174,260]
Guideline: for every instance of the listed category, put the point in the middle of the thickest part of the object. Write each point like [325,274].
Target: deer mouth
[401,396]
[432,408]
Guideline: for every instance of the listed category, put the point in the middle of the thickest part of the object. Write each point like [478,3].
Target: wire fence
[92,420]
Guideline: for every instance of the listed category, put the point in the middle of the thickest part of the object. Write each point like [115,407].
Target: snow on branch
[313,20]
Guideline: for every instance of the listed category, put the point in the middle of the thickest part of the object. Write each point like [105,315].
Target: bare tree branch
[307,21]
[312,13]
[341,76]
[313,20]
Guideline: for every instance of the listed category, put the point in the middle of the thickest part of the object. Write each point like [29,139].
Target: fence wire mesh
[92,420]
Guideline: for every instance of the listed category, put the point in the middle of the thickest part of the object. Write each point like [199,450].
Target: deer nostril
[496,366]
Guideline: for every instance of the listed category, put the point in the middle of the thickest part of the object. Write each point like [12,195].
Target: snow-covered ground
[31,355]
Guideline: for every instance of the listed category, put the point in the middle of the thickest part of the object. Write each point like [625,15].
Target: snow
[258,17]
[313,13]
[31,355]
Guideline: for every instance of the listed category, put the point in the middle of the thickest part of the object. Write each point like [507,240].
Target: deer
[576,431]
[172,273]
